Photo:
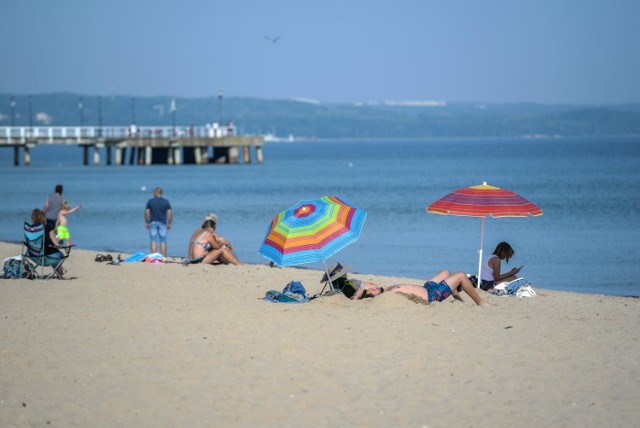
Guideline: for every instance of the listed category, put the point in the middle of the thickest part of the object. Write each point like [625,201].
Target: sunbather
[206,242]
[437,289]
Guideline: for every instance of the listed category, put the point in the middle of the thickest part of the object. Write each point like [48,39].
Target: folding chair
[34,254]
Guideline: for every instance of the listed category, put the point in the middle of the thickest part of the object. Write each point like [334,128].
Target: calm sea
[588,188]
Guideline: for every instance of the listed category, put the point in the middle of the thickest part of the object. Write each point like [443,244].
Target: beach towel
[519,287]
[293,292]
[137,257]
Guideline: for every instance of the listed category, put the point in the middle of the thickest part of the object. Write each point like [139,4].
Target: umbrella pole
[480,253]
[328,276]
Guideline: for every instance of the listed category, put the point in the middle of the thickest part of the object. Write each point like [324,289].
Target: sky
[331,51]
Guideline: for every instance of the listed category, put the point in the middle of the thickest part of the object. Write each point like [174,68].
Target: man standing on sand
[158,218]
[52,206]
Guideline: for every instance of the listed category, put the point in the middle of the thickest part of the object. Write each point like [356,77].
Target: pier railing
[77,134]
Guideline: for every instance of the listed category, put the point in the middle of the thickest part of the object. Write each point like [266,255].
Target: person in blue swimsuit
[436,289]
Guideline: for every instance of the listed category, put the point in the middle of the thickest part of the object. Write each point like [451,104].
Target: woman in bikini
[206,242]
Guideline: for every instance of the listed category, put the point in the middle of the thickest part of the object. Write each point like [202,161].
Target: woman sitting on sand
[490,271]
[206,242]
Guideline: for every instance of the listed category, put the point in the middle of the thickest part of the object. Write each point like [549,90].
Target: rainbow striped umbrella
[482,201]
[312,231]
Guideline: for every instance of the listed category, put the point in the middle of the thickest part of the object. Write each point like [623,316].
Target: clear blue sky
[548,51]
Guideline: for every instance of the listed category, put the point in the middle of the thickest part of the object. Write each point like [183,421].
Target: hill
[314,120]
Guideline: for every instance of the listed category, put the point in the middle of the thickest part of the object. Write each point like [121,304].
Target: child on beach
[62,231]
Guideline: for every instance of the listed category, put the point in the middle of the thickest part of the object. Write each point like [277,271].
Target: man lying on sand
[438,288]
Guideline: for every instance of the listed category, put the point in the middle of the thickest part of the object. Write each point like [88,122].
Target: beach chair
[34,256]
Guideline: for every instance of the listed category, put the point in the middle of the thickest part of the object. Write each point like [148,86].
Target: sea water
[588,188]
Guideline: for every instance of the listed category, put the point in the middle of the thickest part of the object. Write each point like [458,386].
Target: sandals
[103,258]
[117,261]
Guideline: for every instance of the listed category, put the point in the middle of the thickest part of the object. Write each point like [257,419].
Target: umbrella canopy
[482,201]
[311,231]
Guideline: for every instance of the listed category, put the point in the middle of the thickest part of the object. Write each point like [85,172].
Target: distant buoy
[143,188]
[350,165]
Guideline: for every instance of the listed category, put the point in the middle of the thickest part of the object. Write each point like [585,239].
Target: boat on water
[272,138]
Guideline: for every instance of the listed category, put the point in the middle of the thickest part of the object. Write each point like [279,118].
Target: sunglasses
[366,294]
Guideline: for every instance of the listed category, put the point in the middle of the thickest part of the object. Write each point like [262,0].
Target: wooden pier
[138,145]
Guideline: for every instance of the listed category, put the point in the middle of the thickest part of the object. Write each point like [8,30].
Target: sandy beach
[167,345]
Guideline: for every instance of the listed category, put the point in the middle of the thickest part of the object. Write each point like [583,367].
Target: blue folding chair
[34,254]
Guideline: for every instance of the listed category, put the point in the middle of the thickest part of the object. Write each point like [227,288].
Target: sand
[169,345]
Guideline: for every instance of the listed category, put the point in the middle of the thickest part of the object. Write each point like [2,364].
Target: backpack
[13,268]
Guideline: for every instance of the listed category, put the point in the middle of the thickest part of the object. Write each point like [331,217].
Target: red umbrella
[482,201]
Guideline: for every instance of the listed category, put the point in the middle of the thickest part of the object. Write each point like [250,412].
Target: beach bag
[526,291]
[295,287]
[12,268]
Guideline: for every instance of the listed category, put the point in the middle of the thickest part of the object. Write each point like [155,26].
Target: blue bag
[294,292]
[295,287]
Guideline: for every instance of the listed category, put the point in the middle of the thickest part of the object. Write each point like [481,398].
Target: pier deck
[145,145]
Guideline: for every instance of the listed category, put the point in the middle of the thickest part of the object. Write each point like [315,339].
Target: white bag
[526,291]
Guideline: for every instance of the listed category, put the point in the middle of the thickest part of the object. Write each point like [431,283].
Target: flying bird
[272,39]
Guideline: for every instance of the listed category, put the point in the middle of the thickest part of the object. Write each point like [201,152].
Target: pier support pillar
[16,156]
[201,155]
[258,154]
[27,155]
[108,153]
[132,155]
[119,155]
[234,155]
[148,155]
[85,155]
[96,155]
[247,154]
[177,155]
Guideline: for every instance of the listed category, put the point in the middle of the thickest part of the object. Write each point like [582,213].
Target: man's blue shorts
[437,291]
[158,231]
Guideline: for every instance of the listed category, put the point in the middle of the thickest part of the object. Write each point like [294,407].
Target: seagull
[272,39]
